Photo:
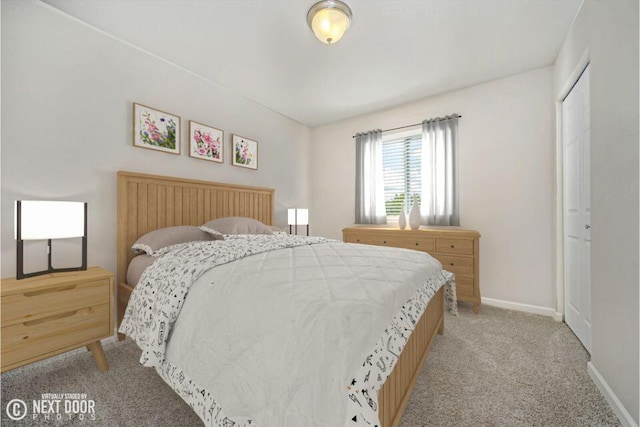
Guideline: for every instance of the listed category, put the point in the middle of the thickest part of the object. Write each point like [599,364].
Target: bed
[149,202]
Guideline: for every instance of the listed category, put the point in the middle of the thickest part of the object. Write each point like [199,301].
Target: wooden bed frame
[149,202]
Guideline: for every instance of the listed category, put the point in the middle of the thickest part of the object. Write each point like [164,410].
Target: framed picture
[205,142]
[156,129]
[244,152]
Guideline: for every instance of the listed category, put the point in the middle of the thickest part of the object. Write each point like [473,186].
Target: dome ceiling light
[329,20]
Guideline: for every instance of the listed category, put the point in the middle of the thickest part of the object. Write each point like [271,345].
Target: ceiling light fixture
[329,20]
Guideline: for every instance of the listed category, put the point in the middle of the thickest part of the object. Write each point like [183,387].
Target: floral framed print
[205,142]
[244,152]
[155,129]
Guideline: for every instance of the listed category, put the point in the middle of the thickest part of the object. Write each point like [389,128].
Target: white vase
[414,216]
[402,221]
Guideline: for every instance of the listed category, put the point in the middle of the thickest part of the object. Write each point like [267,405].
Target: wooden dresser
[457,249]
[47,315]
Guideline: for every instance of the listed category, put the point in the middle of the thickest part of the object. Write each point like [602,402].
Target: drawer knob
[416,243]
[450,263]
[357,240]
[385,242]
[453,246]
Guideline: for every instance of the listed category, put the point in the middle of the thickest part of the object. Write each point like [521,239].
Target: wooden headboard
[149,202]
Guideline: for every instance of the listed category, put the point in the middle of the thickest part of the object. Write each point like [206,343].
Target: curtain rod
[458,116]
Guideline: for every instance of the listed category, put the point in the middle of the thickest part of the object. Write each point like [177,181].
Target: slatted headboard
[149,202]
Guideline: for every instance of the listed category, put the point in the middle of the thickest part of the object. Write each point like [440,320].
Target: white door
[577,209]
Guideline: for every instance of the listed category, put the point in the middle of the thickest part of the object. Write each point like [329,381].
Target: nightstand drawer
[455,246]
[34,338]
[456,264]
[27,306]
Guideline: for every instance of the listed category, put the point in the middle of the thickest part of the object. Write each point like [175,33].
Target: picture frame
[244,152]
[156,129]
[206,142]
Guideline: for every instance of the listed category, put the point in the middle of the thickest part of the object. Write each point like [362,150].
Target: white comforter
[275,338]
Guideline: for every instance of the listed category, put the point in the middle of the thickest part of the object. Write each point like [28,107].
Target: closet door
[577,209]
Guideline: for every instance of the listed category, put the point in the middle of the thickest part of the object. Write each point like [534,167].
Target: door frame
[580,66]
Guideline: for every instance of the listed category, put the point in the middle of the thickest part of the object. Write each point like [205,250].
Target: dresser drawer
[418,243]
[455,246]
[27,306]
[456,264]
[396,240]
[365,239]
[464,287]
[33,338]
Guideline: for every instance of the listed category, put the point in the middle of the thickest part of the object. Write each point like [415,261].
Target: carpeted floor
[497,368]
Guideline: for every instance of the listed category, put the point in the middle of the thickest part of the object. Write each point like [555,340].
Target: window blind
[401,162]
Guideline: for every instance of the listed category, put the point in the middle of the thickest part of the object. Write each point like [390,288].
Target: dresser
[457,249]
[47,315]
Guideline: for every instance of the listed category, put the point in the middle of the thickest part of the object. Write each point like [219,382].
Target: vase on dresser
[414,216]
[402,220]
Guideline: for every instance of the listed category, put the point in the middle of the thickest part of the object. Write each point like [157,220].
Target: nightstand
[47,315]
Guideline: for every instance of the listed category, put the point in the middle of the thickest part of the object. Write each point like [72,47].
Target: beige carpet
[497,368]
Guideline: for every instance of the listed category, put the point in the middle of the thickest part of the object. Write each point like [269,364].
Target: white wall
[609,31]
[67,94]
[507,180]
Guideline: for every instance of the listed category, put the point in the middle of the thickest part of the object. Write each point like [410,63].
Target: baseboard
[527,308]
[616,406]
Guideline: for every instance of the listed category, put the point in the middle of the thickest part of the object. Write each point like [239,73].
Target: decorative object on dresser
[414,216]
[244,152]
[457,249]
[206,142]
[47,220]
[402,219]
[296,217]
[48,315]
[155,129]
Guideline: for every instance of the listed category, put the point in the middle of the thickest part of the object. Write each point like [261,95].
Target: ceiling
[395,52]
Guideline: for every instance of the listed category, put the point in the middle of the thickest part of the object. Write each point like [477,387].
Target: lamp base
[20,265]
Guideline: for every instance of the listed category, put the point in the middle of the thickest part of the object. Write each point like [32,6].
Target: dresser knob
[452,246]
[450,263]
[416,243]
[357,240]
[385,242]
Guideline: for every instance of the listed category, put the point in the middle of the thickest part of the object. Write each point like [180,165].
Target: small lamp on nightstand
[298,217]
[47,220]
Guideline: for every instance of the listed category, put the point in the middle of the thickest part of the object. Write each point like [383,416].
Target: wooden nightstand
[47,315]
[457,249]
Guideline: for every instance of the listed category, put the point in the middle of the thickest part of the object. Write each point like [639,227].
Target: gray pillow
[137,267]
[163,237]
[235,225]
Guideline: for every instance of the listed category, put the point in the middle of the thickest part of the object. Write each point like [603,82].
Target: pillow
[276,230]
[235,225]
[163,237]
[137,267]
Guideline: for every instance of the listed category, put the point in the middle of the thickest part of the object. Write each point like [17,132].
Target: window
[401,163]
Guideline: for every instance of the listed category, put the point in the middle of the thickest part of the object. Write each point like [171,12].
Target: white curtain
[370,208]
[439,204]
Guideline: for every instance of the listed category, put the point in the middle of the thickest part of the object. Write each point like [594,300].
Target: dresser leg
[121,337]
[476,308]
[98,355]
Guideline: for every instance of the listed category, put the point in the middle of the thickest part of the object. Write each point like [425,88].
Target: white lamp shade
[291,217]
[302,216]
[42,220]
